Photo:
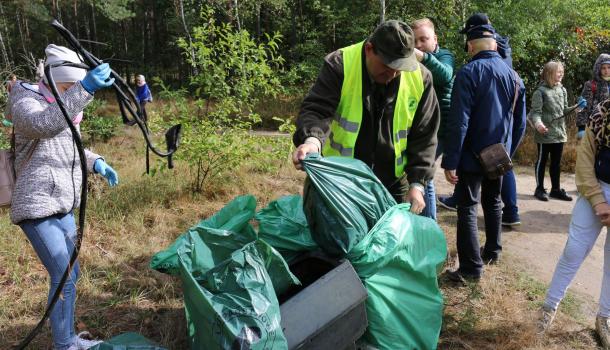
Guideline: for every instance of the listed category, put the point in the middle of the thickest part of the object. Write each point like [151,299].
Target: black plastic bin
[328,310]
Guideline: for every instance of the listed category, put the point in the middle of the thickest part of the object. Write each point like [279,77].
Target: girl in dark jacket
[595,91]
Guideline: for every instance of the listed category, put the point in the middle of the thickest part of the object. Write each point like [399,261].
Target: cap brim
[405,64]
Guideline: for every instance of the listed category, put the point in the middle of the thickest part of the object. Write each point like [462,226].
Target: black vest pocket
[602,164]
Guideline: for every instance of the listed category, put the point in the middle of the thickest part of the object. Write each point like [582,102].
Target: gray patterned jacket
[49,182]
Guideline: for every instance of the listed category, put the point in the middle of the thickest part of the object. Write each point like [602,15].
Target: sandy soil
[540,239]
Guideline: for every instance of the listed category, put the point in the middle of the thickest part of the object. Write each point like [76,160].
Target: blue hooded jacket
[143,93]
[504,50]
[481,100]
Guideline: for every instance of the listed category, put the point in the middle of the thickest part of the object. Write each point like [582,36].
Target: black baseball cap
[479,32]
[477,19]
[394,41]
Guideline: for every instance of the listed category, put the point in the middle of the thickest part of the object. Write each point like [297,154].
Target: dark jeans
[467,195]
[510,211]
[144,114]
[555,150]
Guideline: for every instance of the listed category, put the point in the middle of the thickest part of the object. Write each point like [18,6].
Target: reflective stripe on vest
[345,126]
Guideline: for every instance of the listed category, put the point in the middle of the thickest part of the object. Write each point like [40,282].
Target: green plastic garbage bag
[342,200]
[234,305]
[283,225]
[398,261]
[222,234]
[128,341]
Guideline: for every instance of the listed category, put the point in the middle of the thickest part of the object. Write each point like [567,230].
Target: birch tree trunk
[188,34]
[7,63]
[6,42]
[382,16]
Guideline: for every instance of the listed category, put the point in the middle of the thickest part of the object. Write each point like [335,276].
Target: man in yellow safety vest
[373,101]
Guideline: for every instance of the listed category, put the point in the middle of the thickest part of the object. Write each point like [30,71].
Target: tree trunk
[258,20]
[93,29]
[126,50]
[188,35]
[382,16]
[20,29]
[9,52]
[237,16]
[7,63]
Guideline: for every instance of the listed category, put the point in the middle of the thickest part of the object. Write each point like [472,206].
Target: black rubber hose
[127,101]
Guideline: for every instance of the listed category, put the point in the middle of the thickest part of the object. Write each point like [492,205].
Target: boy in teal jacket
[440,62]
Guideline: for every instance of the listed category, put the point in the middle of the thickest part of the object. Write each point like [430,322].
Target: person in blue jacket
[510,211]
[143,94]
[481,115]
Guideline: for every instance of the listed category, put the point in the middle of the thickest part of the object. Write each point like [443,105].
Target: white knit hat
[63,74]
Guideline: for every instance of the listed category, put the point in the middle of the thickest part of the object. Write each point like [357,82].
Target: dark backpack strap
[593,87]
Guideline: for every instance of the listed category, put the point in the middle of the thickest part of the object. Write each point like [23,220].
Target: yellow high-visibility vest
[345,126]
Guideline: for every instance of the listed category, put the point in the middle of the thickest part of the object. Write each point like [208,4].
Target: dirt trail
[540,239]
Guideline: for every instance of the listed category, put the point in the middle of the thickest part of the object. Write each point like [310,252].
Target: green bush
[96,127]
[234,73]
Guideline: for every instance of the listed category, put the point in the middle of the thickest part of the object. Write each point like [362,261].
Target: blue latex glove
[7,123]
[97,78]
[580,134]
[582,103]
[102,168]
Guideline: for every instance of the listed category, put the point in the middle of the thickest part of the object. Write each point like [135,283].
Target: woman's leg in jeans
[583,232]
[556,150]
[604,298]
[540,165]
[52,238]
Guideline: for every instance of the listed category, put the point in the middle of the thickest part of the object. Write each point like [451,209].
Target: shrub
[235,72]
[95,126]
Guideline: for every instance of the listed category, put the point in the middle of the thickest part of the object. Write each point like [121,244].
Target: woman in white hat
[48,183]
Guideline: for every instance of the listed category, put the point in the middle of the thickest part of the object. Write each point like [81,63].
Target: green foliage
[235,73]
[5,139]
[231,63]
[210,146]
[97,127]
[115,10]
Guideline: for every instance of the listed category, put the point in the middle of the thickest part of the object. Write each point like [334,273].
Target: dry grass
[500,312]
[117,292]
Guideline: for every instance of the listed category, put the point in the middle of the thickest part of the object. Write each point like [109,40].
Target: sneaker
[457,277]
[541,195]
[83,343]
[560,194]
[487,260]
[447,202]
[512,222]
[601,326]
[547,315]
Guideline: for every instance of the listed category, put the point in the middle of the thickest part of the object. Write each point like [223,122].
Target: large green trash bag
[234,305]
[128,341]
[398,261]
[283,225]
[223,233]
[342,201]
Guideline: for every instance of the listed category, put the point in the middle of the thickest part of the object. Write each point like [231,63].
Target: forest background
[141,36]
